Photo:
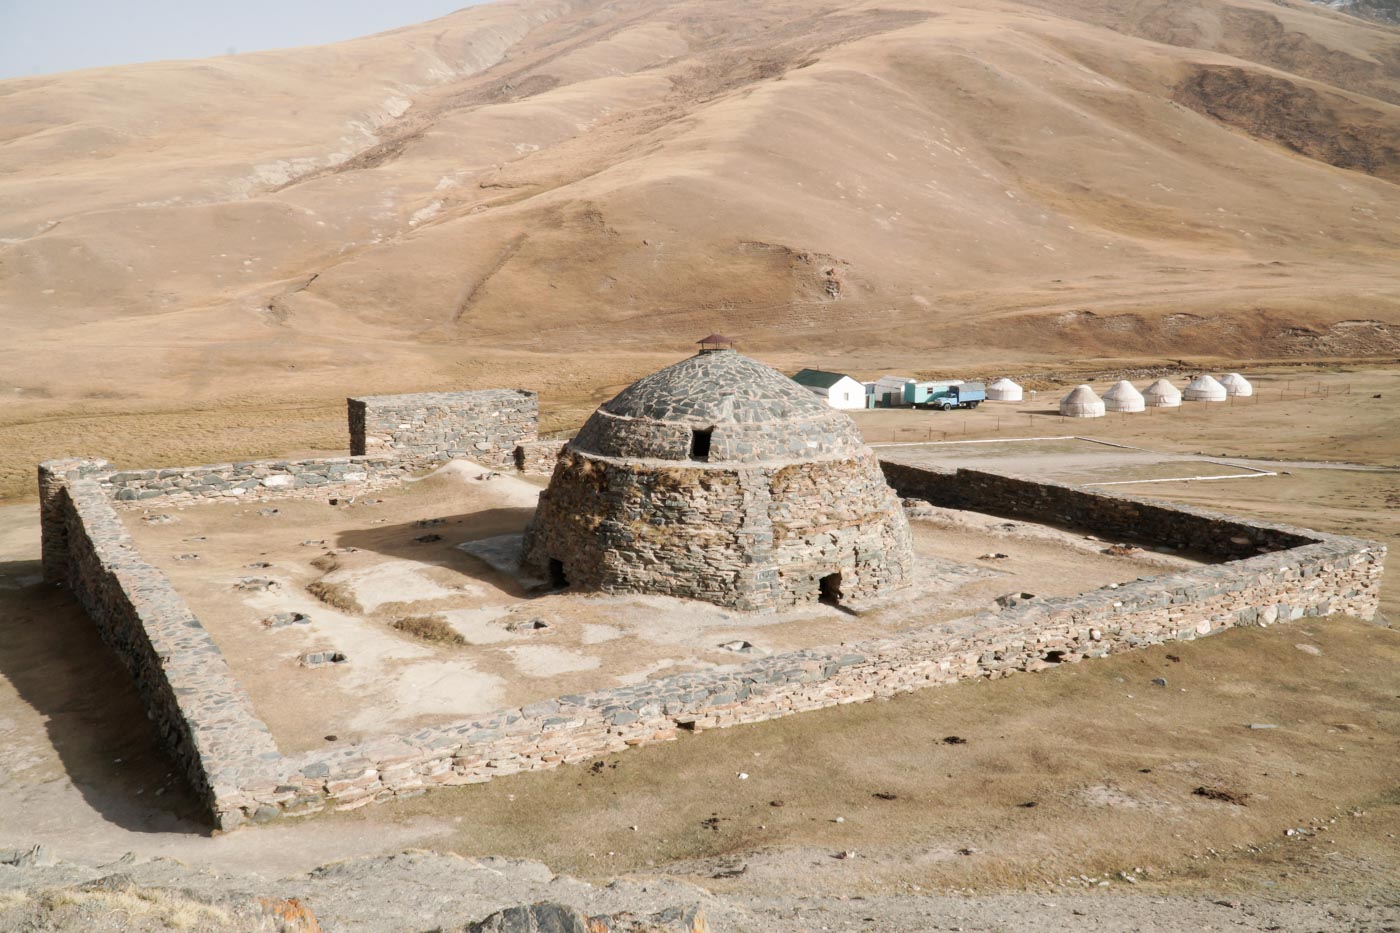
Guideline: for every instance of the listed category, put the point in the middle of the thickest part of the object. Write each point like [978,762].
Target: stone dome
[723,480]
[740,409]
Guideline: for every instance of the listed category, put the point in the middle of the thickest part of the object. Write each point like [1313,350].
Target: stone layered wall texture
[255,479]
[205,719]
[538,457]
[483,426]
[209,726]
[1322,574]
[721,479]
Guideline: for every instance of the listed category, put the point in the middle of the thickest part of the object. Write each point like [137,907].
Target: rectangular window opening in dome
[700,443]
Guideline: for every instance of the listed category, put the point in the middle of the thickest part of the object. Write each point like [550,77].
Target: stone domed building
[723,480]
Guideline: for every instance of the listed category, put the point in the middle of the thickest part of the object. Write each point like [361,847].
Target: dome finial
[715,342]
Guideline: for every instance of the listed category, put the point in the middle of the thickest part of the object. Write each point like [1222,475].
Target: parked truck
[945,396]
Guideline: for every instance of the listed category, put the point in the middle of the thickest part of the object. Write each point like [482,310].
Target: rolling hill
[562,193]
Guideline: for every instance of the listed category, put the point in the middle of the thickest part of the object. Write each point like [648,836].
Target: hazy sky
[43,36]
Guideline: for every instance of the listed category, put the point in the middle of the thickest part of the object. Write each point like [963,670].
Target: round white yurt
[1162,394]
[1082,403]
[1004,390]
[1204,389]
[1235,384]
[1123,397]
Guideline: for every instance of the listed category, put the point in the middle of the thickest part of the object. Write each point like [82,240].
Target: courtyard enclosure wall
[483,426]
[208,724]
[204,717]
[1112,514]
[255,479]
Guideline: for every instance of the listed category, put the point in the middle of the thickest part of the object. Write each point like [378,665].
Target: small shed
[889,390]
[1235,384]
[1082,403]
[1204,389]
[836,389]
[1162,394]
[1123,397]
[1004,390]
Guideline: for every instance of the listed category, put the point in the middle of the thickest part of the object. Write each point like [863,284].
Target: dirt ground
[82,773]
[395,556]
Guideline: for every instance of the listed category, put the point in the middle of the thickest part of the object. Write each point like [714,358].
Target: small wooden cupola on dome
[715,342]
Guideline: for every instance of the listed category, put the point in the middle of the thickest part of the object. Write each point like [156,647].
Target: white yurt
[1204,389]
[1235,384]
[1004,390]
[1082,403]
[1123,397]
[1162,394]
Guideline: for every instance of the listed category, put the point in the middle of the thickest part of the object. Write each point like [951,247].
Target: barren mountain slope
[558,193]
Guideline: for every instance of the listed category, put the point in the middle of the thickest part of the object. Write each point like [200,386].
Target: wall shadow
[52,656]
[405,542]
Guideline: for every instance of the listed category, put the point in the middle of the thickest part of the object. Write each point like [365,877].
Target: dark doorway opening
[558,579]
[700,444]
[831,589]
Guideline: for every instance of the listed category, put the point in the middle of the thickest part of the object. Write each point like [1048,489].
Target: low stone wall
[209,724]
[1332,575]
[1111,514]
[255,479]
[538,457]
[204,717]
[431,427]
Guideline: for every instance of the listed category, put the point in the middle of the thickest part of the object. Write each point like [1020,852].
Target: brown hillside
[561,194]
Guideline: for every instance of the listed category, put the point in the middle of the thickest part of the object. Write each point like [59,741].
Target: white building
[1204,389]
[1004,390]
[1162,394]
[1082,403]
[1235,384]
[889,390]
[837,389]
[1123,397]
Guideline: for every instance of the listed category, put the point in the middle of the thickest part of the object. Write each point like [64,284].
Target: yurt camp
[1235,384]
[1004,390]
[1204,389]
[1123,397]
[1082,403]
[1162,394]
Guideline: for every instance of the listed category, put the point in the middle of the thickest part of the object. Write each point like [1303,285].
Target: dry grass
[432,628]
[169,908]
[326,563]
[336,595]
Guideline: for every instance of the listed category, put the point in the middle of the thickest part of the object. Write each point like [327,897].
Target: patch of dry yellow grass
[180,913]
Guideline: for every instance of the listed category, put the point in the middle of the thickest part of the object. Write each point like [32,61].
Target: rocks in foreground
[561,918]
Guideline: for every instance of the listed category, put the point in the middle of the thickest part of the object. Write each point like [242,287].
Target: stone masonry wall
[204,717]
[740,535]
[255,479]
[538,457]
[1113,514]
[430,427]
[209,724]
[1331,575]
